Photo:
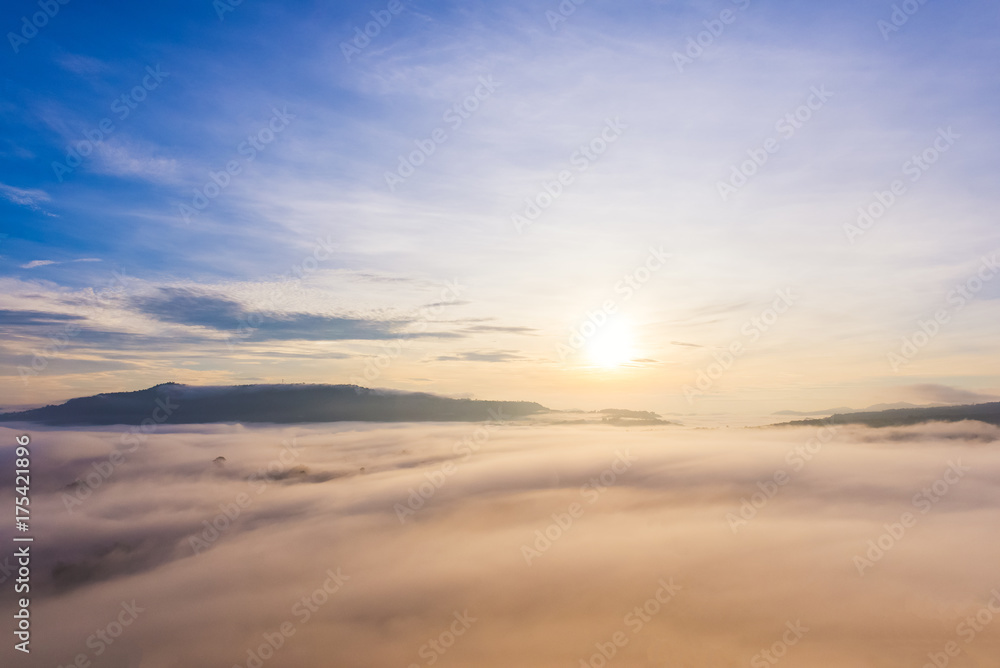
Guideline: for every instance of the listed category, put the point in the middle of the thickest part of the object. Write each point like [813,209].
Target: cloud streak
[190,307]
[27,197]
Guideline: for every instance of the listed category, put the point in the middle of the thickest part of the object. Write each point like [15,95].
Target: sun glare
[612,346]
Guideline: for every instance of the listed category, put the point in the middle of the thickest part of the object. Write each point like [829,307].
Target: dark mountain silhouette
[989,413]
[172,403]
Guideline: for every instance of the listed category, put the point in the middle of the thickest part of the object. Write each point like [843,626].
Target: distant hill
[172,403]
[989,413]
[626,418]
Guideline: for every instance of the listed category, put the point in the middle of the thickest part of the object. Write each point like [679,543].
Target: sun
[611,346]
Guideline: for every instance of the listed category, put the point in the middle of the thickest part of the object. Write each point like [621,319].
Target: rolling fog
[407,546]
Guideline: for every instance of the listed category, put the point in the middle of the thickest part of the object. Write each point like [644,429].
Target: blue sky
[323,265]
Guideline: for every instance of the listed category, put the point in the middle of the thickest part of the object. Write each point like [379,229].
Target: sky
[687,207]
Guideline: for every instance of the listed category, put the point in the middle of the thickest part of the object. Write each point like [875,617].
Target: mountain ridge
[898,417]
[175,403]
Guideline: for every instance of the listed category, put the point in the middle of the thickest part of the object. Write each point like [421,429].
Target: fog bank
[363,545]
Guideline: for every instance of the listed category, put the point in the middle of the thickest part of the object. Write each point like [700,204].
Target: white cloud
[130,159]
[43,263]
[28,197]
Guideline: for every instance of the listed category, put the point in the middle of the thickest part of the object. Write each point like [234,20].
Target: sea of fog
[496,544]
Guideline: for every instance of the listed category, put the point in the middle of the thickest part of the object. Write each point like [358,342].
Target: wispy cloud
[80,64]
[18,318]
[501,329]
[195,308]
[130,159]
[27,197]
[44,263]
[483,356]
